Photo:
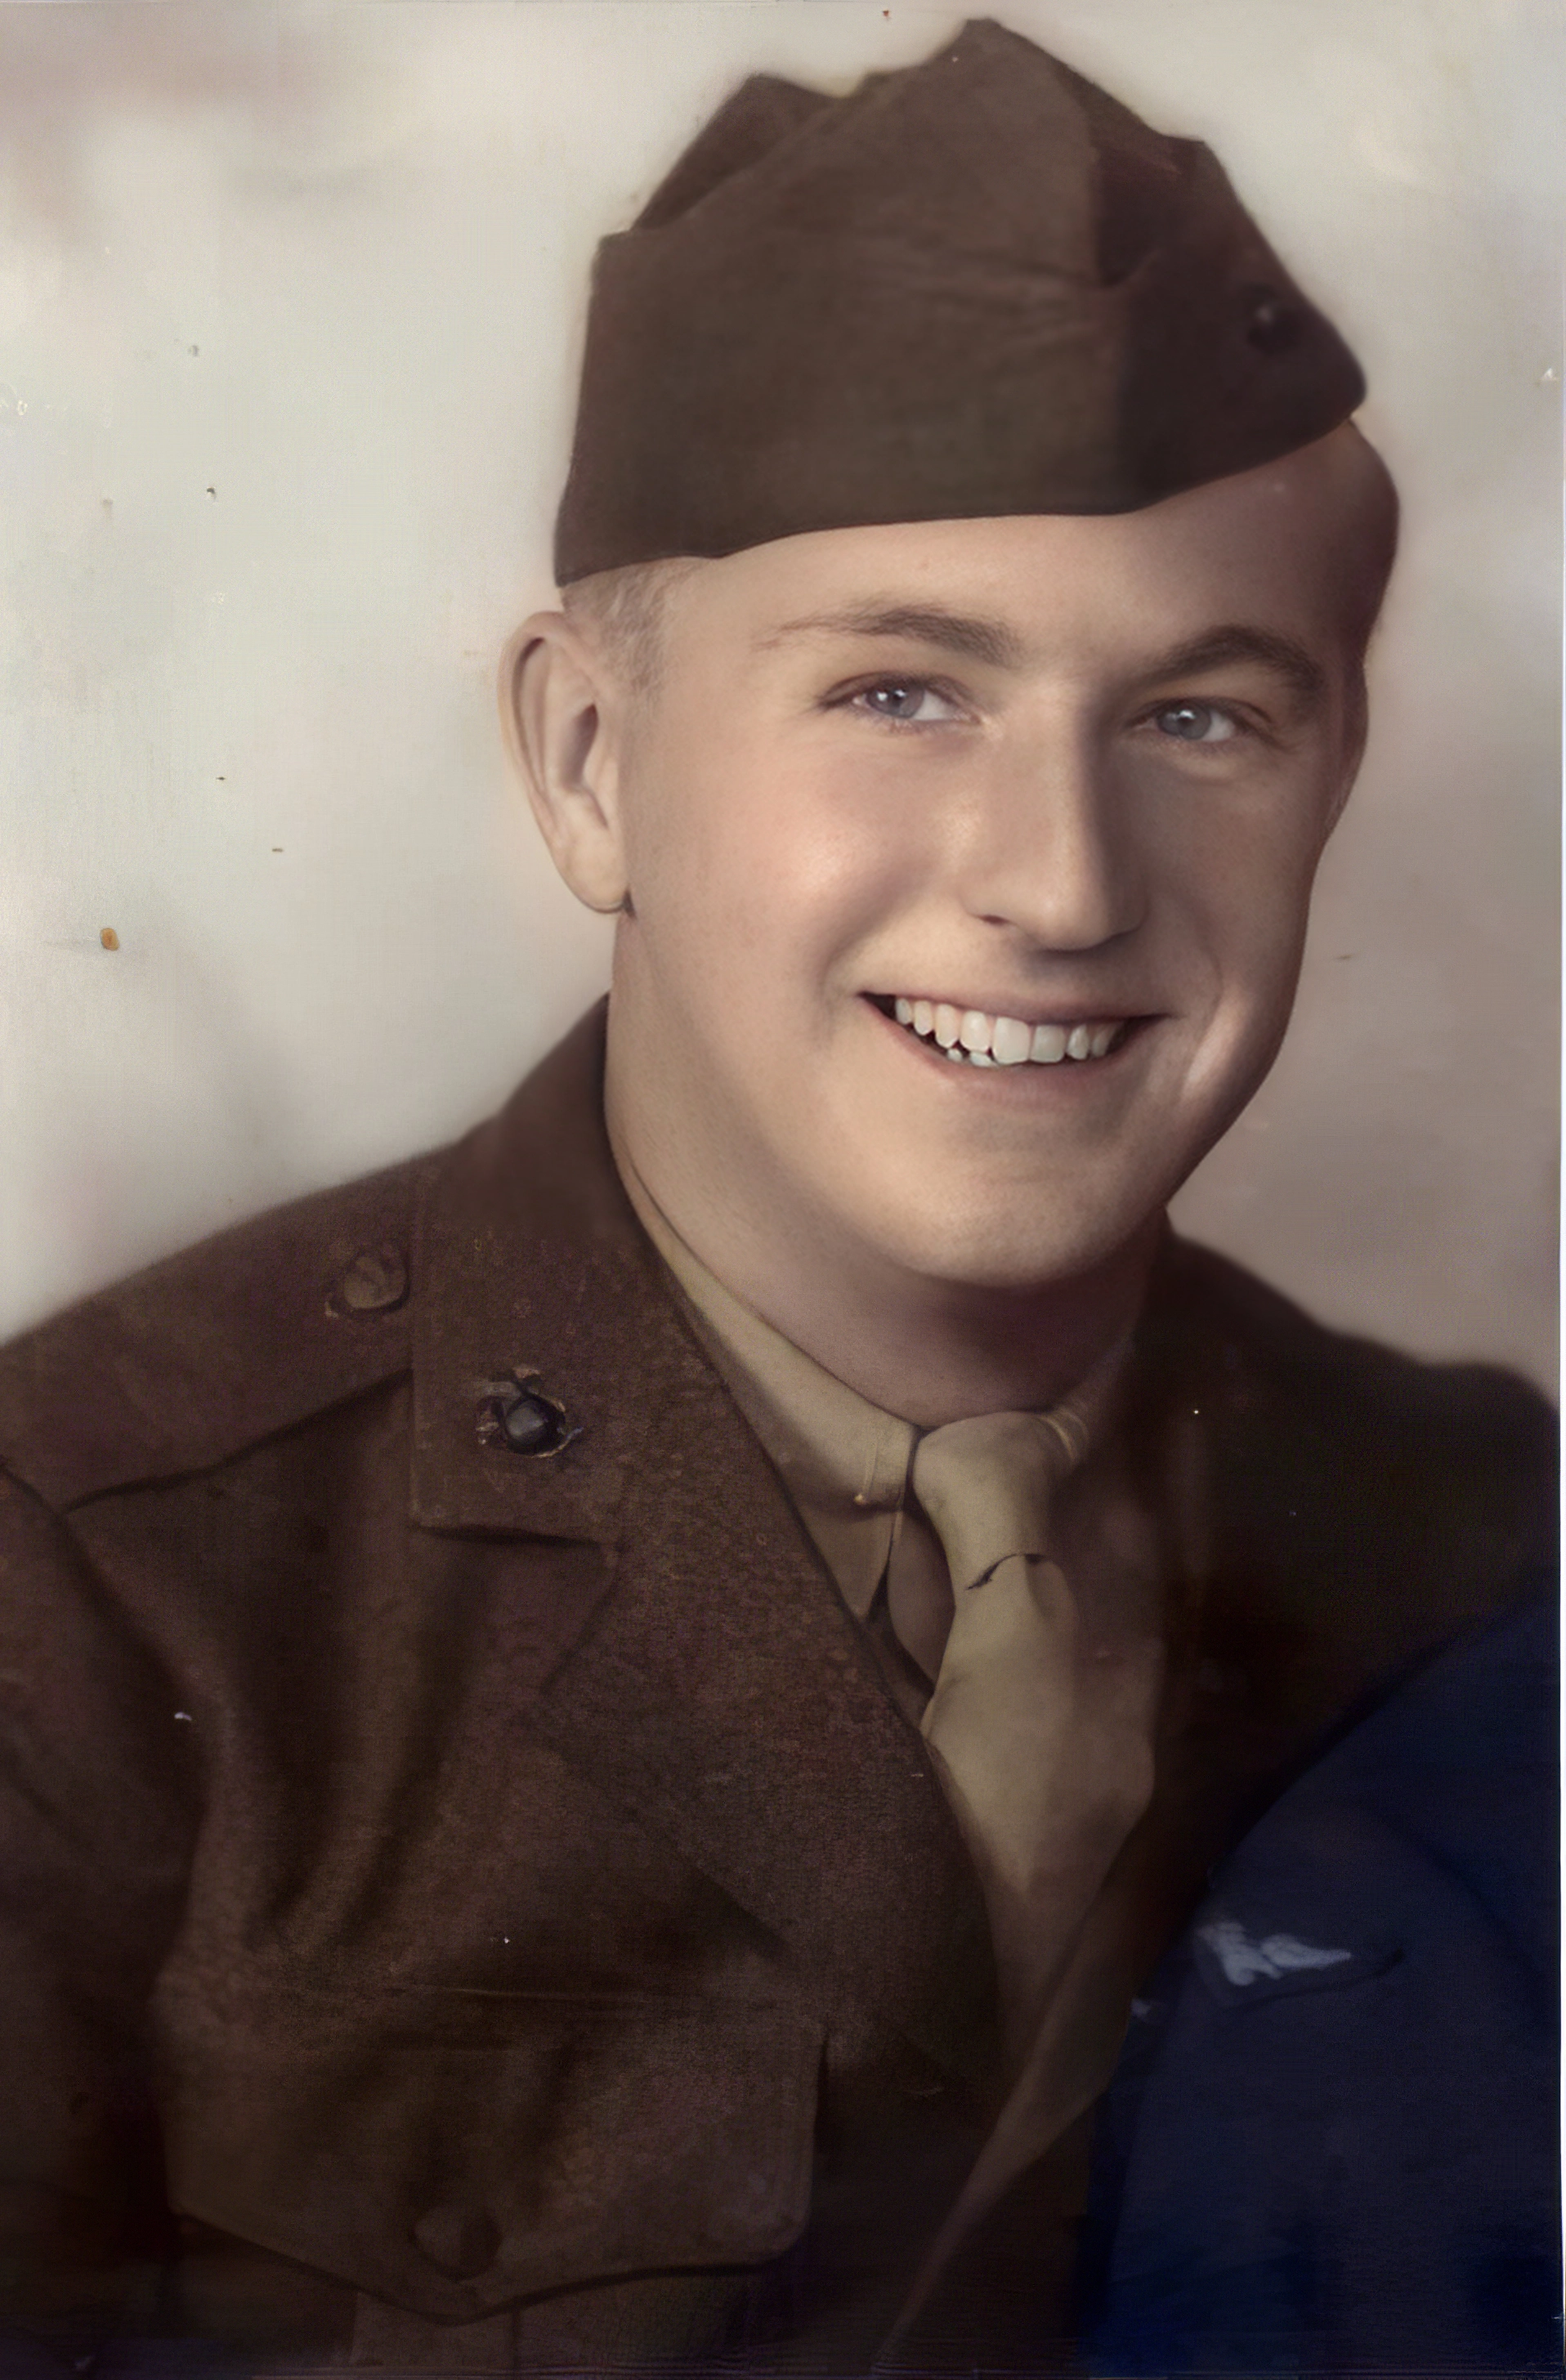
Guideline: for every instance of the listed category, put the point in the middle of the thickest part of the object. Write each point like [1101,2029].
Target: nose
[1046,847]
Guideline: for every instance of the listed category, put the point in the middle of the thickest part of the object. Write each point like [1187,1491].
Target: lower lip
[1029,1077]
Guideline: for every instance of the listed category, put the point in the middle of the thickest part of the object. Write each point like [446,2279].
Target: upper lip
[1028,1011]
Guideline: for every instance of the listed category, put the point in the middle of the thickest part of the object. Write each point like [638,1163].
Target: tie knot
[987,1483]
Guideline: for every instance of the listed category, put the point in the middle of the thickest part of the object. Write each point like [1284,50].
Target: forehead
[1264,547]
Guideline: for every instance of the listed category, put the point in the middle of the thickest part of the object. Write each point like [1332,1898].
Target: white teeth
[970,1038]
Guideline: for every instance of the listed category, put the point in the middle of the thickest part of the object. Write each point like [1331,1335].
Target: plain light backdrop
[290,301]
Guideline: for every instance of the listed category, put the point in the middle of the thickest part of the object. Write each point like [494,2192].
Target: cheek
[736,851]
[1235,872]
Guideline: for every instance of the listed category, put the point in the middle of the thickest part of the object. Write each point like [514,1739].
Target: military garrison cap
[973,286]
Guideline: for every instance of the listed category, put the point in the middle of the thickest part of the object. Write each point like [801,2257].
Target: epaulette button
[374,1281]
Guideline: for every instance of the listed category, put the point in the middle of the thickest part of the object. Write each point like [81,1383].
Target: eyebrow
[976,637]
[1219,649]
[970,636]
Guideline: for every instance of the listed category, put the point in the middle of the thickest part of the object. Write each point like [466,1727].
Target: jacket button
[373,1282]
[459,2240]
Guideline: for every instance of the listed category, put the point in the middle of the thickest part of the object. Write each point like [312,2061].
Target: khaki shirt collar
[845,1461]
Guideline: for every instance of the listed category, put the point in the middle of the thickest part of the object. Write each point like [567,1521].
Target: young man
[607,1732]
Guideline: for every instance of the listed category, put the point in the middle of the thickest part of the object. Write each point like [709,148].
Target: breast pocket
[455,2150]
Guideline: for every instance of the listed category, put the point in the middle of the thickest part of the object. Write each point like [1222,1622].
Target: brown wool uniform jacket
[467,1909]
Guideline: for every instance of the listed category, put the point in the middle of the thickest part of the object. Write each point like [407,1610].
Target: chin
[1016,1251]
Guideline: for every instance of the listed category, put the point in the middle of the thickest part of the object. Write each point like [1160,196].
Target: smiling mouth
[968,1037]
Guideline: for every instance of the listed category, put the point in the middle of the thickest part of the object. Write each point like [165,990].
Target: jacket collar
[528,1260]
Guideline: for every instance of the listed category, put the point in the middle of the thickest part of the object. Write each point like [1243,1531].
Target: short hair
[624,610]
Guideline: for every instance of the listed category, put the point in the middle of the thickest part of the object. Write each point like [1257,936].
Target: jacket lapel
[716,1683]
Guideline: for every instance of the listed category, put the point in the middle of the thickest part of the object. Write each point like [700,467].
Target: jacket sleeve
[95,1779]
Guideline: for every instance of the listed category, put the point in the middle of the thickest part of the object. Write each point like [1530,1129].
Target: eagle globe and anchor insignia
[519,1416]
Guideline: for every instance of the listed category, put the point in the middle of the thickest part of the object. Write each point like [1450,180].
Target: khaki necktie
[1041,1720]
[1042,1725]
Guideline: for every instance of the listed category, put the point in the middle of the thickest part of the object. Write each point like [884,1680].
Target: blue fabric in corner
[1331,2144]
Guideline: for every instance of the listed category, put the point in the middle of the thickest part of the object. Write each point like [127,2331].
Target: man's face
[1049,790]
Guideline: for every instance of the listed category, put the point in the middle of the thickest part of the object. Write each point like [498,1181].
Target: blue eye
[906,701]
[1196,723]
[895,701]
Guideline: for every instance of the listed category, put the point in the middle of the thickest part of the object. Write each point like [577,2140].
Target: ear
[560,708]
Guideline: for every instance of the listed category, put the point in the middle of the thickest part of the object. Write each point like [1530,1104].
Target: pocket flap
[453,2151]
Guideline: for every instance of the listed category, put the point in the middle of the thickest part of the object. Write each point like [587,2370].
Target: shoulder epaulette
[230,1341]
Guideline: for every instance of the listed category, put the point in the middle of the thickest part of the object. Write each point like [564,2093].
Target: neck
[934,1352]
[929,1350]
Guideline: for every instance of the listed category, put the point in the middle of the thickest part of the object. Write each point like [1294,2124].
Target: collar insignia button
[520,1419]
